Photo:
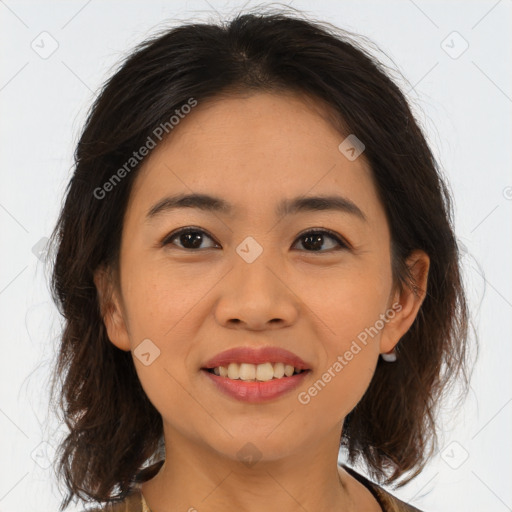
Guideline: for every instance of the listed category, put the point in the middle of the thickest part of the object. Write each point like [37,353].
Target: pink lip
[257,356]
[256,392]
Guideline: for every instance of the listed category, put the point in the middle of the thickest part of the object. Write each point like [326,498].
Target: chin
[250,444]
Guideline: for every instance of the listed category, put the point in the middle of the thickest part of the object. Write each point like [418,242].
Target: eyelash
[320,231]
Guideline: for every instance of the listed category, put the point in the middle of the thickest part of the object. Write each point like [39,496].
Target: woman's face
[249,277]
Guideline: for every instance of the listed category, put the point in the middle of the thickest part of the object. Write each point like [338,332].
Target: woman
[255,262]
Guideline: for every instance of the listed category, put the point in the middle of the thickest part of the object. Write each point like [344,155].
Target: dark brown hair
[114,430]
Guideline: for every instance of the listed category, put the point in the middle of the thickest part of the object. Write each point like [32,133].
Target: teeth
[261,372]
[279,370]
[234,371]
[264,372]
[247,371]
[288,370]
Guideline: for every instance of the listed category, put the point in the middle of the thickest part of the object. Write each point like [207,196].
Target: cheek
[353,311]
[346,369]
[160,298]
[158,308]
[168,389]
[338,389]
[353,317]
[160,302]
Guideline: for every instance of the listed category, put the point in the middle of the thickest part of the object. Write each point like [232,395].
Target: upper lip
[257,356]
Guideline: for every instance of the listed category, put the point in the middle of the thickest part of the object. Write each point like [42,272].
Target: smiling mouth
[255,372]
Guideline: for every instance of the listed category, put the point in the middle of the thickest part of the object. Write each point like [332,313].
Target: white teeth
[247,371]
[261,372]
[264,372]
[278,370]
[233,371]
[288,370]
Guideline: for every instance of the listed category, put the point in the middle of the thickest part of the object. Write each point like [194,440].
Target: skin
[254,151]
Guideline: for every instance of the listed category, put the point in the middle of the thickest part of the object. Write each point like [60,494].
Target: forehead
[252,151]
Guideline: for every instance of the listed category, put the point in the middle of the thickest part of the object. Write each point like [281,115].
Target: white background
[463,103]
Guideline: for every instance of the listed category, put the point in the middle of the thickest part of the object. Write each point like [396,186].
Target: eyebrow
[286,207]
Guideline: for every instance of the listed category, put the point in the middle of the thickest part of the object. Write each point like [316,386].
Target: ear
[407,303]
[110,307]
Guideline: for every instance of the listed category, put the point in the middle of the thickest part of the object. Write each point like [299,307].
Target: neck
[195,477]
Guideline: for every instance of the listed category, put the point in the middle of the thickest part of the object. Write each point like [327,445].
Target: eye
[314,239]
[191,238]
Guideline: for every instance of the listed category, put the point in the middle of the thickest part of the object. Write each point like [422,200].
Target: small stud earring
[389,357]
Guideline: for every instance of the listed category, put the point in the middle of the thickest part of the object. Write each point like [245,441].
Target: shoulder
[392,503]
[132,503]
[386,500]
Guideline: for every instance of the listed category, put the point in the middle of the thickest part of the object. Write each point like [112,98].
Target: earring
[389,357]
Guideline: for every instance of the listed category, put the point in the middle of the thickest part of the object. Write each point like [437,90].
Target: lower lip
[256,392]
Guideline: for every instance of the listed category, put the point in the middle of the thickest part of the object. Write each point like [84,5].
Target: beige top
[135,502]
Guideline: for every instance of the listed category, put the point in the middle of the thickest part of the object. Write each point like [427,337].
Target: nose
[256,296]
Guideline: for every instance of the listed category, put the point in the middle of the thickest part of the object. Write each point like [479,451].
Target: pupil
[313,240]
[193,238]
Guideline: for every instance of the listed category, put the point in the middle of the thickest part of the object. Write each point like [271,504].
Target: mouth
[256,375]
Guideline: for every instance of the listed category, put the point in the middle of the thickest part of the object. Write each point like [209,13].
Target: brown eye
[190,238]
[313,240]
